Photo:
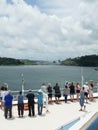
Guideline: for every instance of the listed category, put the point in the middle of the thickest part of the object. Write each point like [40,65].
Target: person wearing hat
[40,102]
[44,91]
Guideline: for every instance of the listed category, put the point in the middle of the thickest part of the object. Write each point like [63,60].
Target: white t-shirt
[86,88]
[3,94]
[44,88]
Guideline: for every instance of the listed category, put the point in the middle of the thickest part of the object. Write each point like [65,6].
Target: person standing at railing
[77,88]
[4,92]
[86,91]
[65,93]
[49,89]
[91,89]
[8,105]
[57,92]
[44,90]
[72,91]
[31,103]
[40,101]
[20,104]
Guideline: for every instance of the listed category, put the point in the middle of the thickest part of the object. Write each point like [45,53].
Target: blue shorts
[81,101]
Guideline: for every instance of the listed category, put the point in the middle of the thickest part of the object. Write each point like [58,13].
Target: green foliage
[10,61]
[29,62]
[88,60]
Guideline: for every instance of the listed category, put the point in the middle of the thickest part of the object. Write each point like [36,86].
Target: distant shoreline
[88,60]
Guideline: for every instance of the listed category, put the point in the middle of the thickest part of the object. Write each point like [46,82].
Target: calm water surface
[36,74]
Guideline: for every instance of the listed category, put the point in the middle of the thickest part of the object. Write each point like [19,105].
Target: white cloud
[59,30]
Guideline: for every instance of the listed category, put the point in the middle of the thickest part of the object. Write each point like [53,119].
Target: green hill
[10,61]
[87,60]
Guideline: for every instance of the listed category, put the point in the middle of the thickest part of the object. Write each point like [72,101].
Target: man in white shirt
[86,91]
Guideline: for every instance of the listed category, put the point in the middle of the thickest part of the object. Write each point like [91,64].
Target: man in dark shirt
[30,96]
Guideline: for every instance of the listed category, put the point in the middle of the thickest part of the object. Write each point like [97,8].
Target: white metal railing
[15,93]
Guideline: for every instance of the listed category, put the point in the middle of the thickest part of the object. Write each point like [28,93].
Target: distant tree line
[10,61]
[87,60]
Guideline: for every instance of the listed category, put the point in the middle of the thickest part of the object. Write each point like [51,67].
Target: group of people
[7,102]
[44,96]
[86,93]
[83,94]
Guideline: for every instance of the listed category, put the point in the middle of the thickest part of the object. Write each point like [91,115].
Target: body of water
[35,75]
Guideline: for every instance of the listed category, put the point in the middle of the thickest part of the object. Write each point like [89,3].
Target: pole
[22,83]
[82,78]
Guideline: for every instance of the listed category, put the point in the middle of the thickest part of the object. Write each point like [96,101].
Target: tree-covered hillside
[88,60]
[10,61]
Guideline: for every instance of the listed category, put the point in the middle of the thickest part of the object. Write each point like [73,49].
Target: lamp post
[22,83]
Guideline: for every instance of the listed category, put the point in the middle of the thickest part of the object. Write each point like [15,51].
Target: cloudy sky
[48,29]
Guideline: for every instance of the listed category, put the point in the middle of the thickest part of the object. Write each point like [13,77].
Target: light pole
[22,83]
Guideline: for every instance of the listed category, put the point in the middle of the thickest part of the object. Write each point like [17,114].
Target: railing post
[22,83]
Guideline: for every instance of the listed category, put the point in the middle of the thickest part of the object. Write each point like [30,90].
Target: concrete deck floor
[59,114]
